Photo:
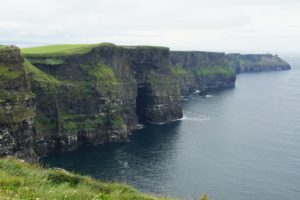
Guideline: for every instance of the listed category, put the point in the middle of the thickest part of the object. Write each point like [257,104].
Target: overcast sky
[252,26]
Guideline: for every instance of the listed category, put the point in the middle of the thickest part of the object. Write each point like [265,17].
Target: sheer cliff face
[99,96]
[256,62]
[16,106]
[201,71]
[158,93]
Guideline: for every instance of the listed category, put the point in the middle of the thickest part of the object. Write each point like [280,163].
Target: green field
[61,49]
[2,46]
[20,180]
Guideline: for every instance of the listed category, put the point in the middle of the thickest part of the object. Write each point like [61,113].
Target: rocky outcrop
[97,97]
[256,62]
[201,71]
[16,106]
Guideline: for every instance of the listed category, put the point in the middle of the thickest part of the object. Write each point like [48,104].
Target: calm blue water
[238,144]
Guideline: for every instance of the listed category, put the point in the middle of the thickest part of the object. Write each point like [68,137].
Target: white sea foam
[200,118]
[209,96]
[197,92]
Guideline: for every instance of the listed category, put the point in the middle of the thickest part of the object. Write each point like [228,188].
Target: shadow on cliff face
[142,102]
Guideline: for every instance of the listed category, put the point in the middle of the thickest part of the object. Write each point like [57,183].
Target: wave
[185,118]
[201,118]
[197,92]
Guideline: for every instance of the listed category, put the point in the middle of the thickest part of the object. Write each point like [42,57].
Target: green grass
[20,180]
[216,70]
[47,61]
[117,122]
[8,74]
[102,73]
[13,96]
[179,71]
[61,50]
[16,114]
[2,46]
[72,123]
[39,75]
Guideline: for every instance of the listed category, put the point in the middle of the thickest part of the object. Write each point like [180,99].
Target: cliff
[201,71]
[16,106]
[60,97]
[256,62]
[96,94]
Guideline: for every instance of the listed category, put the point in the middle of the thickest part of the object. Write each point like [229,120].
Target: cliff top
[61,49]
[71,49]
[202,52]
[144,47]
[20,180]
[2,46]
[7,47]
[257,59]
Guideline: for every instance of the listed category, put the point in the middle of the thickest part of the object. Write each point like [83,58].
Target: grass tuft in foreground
[20,180]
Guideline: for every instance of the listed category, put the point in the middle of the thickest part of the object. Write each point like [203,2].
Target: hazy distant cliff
[256,62]
[202,71]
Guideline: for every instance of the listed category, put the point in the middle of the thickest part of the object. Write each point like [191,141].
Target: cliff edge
[202,71]
[94,94]
[256,62]
[17,110]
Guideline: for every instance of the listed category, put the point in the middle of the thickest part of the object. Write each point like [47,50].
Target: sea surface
[236,144]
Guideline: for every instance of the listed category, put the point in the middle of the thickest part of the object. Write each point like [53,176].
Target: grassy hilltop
[61,49]
[20,180]
[71,49]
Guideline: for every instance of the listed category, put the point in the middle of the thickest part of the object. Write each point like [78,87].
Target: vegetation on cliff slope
[2,46]
[216,70]
[55,93]
[20,180]
[47,61]
[10,96]
[6,73]
[179,71]
[102,73]
[39,75]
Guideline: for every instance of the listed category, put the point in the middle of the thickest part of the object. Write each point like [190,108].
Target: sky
[246,26]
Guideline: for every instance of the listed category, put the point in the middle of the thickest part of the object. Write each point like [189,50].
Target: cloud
[232,25]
